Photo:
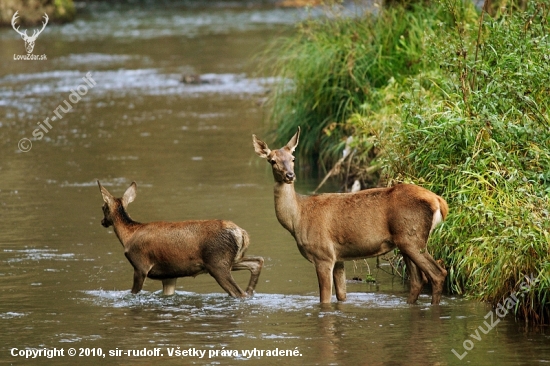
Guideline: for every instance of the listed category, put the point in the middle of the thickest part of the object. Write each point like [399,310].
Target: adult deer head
[29,41]
[281,160]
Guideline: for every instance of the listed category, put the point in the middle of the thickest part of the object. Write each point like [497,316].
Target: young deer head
[168,250]
[115,208]
[29,41]
[332,228]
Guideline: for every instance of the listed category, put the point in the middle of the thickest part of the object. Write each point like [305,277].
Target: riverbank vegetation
[32,12]
[449,97]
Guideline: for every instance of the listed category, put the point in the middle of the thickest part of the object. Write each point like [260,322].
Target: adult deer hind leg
[425,262]
[416,278]
[254,265]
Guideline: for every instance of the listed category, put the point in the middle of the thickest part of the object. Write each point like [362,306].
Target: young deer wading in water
[168,250]
[332,228]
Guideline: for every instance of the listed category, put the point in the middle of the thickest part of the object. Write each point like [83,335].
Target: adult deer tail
[443,207]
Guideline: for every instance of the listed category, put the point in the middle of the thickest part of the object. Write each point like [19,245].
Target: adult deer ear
[294,141]
[107,197]
[129,195]
[260,147]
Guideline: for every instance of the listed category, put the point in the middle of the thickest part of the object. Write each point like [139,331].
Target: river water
[64,280]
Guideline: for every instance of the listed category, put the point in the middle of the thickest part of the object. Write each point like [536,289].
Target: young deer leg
[169,286]
[430,267]
[139,278]
[226,281]
[324,276]
[339,276]
[416,279]
[254,265]
[140,272]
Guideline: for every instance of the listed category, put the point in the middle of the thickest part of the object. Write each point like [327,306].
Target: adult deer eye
[272,162]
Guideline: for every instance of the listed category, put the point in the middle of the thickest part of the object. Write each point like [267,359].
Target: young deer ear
[294,141]
[107,197]
[260,147]
[129,195]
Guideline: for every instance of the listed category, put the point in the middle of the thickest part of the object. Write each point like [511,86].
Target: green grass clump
[456,101]
[329,69]
[478,133]
[498,229]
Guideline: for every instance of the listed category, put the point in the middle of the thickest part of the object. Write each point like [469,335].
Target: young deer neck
[287,207]
[124,226]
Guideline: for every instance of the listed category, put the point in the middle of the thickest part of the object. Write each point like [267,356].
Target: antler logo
[29,41]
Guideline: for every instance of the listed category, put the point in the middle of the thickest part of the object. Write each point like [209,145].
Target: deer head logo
[29,41]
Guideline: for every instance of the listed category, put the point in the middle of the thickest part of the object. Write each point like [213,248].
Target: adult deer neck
[286,206]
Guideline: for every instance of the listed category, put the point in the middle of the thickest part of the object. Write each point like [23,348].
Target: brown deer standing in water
[334,227]
[168,250]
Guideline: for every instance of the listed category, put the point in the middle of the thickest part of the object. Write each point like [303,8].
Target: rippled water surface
[64,280]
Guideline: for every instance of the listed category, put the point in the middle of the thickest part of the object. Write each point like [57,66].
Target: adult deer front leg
[324,276]
[339,275]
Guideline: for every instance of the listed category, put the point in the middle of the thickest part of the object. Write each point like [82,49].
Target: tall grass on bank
[479,134]
[469,120]
[334,66]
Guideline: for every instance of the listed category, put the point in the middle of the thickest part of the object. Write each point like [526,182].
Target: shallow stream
[64,280]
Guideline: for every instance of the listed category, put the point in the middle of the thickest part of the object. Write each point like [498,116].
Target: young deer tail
[242,240]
